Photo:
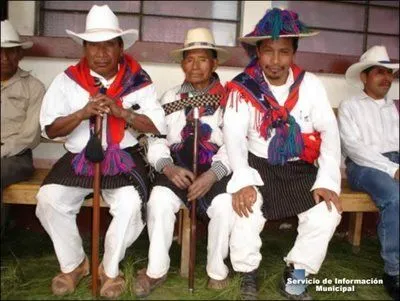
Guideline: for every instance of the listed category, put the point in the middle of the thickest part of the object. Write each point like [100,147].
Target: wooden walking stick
[96,213]
[193,217]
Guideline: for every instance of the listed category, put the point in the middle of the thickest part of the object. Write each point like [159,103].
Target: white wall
[47,68]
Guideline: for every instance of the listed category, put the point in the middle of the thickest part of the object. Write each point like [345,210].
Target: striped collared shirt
[369,128]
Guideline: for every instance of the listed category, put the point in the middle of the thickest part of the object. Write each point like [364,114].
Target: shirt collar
[365,96]
[187,87]
[105,82]
[15,78]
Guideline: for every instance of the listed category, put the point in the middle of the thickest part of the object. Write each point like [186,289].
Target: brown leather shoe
[111,288]
[66,283]
[217,284]
[144,285]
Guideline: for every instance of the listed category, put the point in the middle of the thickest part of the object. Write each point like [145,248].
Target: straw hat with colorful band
[276,23]
[10,37]
[103,25]
[199,38]
[375,56]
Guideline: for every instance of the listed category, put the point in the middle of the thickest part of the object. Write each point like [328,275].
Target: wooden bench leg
[185,243]
[355,230]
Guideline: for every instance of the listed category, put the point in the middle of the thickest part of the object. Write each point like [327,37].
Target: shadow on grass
[28,264]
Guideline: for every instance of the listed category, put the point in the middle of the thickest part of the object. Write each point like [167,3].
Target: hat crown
[376,53]
[101,18]
[8,32]
[199,35]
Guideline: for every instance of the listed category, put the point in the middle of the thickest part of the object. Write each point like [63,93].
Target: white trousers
[226,231]
[315,229]
[57,208]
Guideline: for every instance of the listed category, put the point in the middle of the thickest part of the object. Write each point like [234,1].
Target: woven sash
[195,101]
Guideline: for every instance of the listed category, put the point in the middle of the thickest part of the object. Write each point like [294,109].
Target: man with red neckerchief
[283,145]
[110,83]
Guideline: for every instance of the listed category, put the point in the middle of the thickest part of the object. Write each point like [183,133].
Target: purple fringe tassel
[116,161]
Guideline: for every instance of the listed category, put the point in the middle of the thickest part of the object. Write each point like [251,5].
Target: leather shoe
[248,287]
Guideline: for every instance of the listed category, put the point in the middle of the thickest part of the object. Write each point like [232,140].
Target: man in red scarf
[283,145]
[109,83]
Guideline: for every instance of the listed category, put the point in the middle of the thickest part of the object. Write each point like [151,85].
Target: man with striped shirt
[369,130]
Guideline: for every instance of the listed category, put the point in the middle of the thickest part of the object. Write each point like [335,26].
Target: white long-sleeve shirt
[159,148]
[312,112]
[369,128]
[65,97]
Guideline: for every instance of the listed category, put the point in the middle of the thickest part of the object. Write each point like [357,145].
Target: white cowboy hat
[102,25]
[10,37]
[199,38]
[375,56]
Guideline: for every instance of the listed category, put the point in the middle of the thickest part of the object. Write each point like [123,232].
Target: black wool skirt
[286,191]
[62,173]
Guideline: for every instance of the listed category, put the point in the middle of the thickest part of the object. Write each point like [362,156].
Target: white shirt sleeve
[354,147]
[146,98]
[54,103]
[158,148]
[235,128]
[328,175]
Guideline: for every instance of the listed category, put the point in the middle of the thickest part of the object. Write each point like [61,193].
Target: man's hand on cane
[93,107]
[201,185]
[180,176]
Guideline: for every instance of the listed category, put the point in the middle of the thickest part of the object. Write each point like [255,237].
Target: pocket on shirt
[18,103]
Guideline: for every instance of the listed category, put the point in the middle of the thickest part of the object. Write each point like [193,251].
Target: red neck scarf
[130,77]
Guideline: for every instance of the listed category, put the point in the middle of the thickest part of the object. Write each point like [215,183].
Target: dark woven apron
[286,191]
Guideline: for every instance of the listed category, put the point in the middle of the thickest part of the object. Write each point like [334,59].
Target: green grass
[28,264]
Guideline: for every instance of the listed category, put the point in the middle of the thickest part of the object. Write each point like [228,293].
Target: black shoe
[391,284]
[288,272]
[248,287]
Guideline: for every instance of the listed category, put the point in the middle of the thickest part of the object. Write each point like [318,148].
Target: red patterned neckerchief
[129,78]
[288,141]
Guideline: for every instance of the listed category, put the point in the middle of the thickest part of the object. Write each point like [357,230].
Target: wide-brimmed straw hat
[102,25]
[199,38]
[276,23]
[10,37]
[374,56]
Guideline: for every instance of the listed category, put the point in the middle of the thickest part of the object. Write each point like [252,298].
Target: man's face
[198,66]
[10,58]
[377,82]
[275,57]
[103,57]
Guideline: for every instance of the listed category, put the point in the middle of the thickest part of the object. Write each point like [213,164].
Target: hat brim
[254,40]
[353,72]
[129,37]
[23,45]
[222,54]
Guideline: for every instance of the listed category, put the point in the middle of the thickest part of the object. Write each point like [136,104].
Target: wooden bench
[356,203]
[25,193]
